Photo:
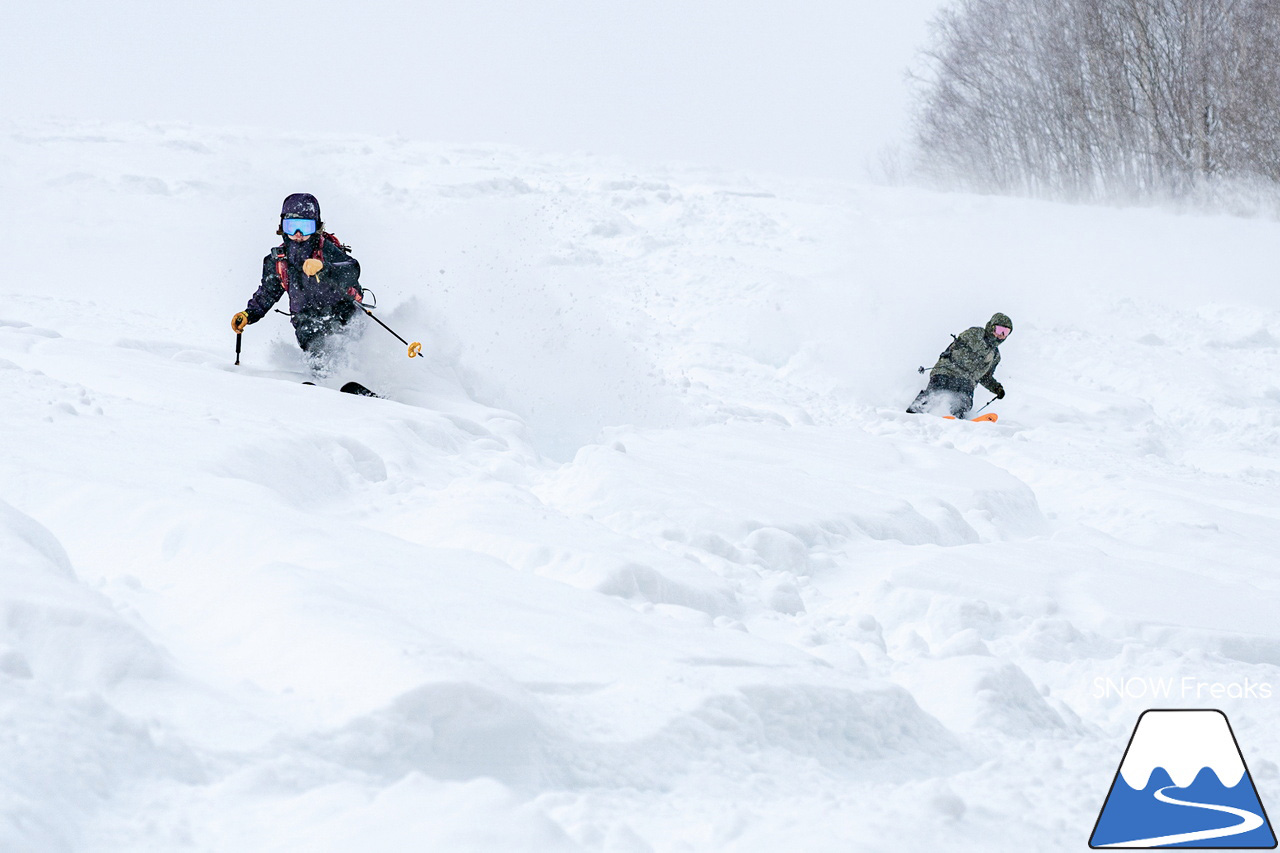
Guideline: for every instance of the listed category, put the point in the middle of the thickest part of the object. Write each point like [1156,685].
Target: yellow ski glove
[239,321]
[311,266]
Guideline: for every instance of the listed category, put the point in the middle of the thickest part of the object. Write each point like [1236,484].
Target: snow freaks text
[1186,687]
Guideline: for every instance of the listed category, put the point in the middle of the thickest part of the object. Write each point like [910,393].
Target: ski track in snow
[644,554]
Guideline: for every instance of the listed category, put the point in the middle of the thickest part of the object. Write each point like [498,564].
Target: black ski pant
[943,390]
[325,337]
[311,329]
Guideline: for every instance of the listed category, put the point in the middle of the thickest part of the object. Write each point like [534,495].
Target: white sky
[805,87]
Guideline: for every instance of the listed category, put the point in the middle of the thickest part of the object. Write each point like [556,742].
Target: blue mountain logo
[1183,783]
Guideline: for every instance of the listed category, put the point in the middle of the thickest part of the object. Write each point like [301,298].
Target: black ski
[352,388]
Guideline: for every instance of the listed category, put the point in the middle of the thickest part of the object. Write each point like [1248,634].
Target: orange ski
[989,416]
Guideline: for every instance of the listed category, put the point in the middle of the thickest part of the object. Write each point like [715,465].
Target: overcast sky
[805,87]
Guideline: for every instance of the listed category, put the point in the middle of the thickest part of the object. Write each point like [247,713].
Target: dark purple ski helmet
[300,206]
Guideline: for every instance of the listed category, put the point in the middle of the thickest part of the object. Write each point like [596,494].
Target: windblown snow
[644,554]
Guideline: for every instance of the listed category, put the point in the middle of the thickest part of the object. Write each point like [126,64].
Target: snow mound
[63,651]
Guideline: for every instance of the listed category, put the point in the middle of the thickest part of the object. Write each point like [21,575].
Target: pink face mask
[1001,332]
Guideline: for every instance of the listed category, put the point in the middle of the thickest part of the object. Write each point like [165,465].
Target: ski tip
[358,389]
[990,417]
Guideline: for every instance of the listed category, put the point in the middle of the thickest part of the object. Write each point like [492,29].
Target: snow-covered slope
[645,553]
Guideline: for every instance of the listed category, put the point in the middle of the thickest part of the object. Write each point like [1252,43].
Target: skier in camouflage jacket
[322,280]
[970,360]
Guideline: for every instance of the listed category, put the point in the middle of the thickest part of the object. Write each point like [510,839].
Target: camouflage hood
[998,319]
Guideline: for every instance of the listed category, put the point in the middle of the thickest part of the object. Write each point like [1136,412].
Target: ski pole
[238,336]
[415,348]
[988,403]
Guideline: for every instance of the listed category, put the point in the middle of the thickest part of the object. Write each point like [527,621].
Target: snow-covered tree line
[1102,98]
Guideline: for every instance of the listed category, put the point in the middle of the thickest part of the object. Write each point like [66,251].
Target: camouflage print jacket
[973,356]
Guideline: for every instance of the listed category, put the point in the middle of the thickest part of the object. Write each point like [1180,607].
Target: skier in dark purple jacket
[322,280]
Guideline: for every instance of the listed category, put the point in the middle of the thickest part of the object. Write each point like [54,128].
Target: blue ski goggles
[305,227]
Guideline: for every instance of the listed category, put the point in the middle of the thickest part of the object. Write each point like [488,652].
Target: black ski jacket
[328,294]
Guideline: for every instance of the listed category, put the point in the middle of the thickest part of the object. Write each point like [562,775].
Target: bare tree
[1092,98]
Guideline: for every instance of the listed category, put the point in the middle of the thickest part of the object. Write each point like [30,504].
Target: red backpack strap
[326,237]
[282,269]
